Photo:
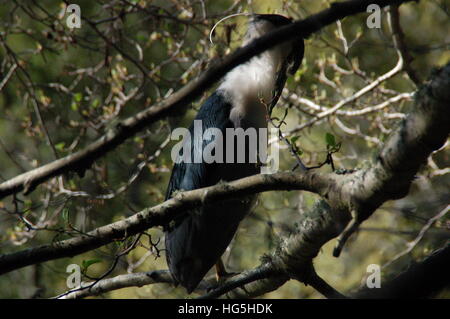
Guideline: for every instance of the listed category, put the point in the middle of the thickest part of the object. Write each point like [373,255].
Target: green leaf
[95,103]
[60,146]
[65,215]
[294,139]
[141,37]
[78,96]
[87,263]
[330,139]
[72,184]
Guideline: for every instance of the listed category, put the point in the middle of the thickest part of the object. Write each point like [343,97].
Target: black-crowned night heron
[196,241]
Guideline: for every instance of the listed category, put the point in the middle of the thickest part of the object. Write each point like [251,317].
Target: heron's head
[289,55]
[292,51]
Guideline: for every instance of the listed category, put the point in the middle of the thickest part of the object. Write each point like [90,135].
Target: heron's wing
[193,242]
[187,176]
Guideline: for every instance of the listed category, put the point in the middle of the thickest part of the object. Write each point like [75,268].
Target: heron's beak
[290,65]
[279,84]
[296,56]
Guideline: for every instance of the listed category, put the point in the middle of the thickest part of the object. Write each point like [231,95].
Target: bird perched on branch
[196,241]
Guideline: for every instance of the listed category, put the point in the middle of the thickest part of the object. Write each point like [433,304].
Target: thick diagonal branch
[162,214]
[424,130]
[82,160]
[421,280]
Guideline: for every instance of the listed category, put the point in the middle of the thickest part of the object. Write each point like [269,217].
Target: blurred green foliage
[79,82]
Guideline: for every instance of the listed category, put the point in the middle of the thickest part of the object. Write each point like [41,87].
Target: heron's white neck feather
[249,87]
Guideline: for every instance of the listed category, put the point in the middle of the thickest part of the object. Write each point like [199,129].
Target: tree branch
[83,159]
[425,129]
[262,272]
[362,192]
[122,281]
[399,43]
[420,280]
[162,214]
[430,274]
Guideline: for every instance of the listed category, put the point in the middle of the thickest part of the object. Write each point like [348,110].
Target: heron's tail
[196,244]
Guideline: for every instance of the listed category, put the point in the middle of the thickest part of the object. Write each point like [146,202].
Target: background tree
[93,108]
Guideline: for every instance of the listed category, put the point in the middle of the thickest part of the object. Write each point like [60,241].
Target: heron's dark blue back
[195,241]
